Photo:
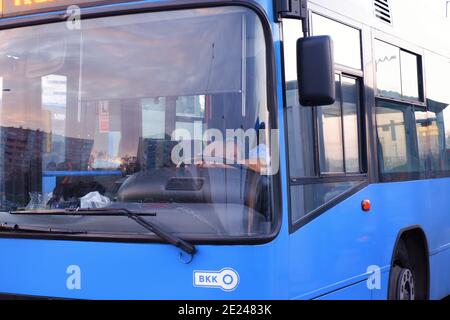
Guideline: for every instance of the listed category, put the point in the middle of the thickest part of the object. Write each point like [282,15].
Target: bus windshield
[163,112]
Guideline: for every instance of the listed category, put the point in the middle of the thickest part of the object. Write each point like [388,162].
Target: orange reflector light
[365,205]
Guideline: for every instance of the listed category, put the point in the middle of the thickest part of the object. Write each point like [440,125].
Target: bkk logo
[226,279]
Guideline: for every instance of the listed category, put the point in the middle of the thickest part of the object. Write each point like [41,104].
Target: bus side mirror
[315,71]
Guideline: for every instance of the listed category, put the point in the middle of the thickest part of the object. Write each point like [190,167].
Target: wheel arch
[416,243]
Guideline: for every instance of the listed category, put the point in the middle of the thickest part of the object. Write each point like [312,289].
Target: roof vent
[383,10]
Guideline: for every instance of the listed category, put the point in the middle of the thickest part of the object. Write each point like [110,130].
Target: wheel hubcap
[406,285]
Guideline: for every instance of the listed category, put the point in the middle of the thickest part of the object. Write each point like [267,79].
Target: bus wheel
[402,284]
[403,278]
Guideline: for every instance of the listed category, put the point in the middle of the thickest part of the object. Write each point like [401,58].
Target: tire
[403,277]
[402,285]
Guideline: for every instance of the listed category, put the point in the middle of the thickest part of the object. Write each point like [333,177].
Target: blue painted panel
[132,271]
[382,292]
[357,291]
[336,249]
[439,274]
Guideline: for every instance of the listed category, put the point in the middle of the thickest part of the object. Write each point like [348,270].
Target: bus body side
[343,251]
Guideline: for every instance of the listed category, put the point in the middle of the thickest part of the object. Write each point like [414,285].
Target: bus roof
[420,22]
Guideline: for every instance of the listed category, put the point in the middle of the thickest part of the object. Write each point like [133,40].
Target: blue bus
[224,149]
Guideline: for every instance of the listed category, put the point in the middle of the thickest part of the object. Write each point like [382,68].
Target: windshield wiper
[74,211]
[136,216]
[160,232]
[25,228]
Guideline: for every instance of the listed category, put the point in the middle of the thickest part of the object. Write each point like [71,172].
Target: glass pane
[347,40]
[195,128]
[330,136]
[429,140]
[422,126]
[307,198]
[350,106]
[395,128]
[387,61]
[443,123]
[410,76]
[300,119]
[435,144]
[438,81]
[438,101]
[292,31]
[153,118]
[89,118]
[193,106]
[301,137]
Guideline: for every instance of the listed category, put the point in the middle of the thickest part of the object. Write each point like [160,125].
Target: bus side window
[338,130]
[325,149]
[300,120]
[411,130]
[438,105]
[398,153]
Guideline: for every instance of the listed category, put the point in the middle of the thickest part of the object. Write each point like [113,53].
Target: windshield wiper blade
[160,232]
[74,211]
[136,216]
[25,228]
